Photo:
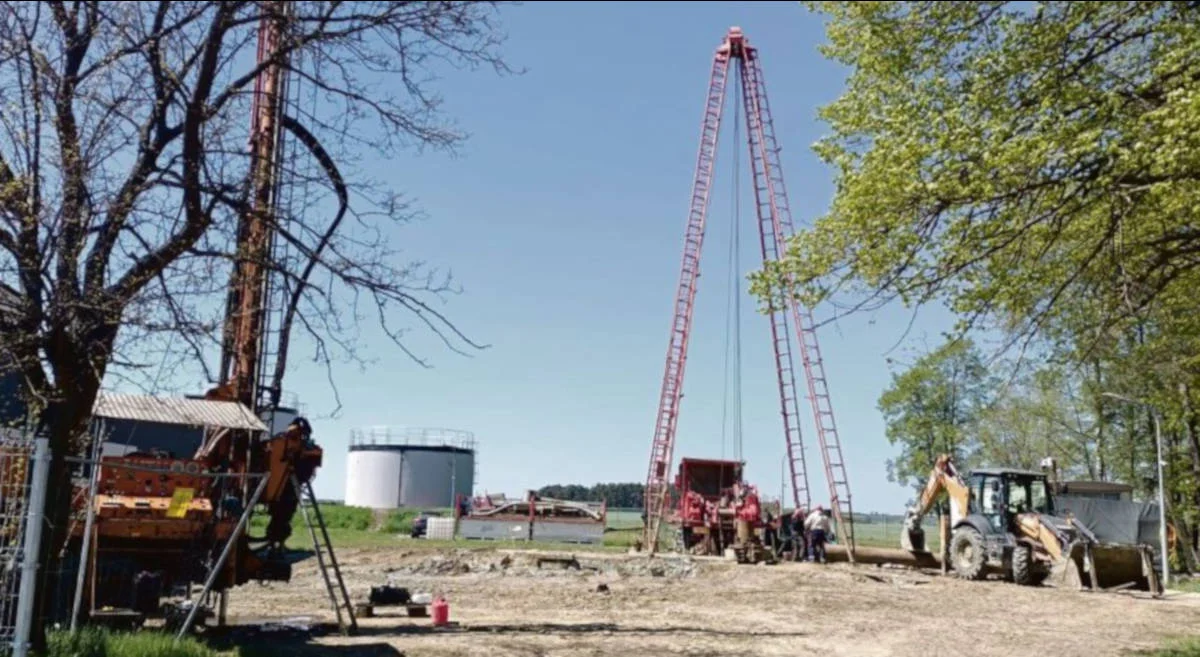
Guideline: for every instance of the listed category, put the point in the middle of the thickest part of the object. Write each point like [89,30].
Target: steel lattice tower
[774,227]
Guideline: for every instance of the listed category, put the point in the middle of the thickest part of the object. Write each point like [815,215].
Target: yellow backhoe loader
[1003,519]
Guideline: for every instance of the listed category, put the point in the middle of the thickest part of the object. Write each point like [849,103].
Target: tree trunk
[1100,424]
[67,421]
[79,360]
[1188,537]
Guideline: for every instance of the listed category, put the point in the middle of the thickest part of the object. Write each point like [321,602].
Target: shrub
[400,521]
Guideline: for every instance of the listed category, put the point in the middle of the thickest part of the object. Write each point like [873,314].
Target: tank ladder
[334,584]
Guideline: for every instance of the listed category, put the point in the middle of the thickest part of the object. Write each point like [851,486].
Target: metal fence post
[89,523]
[35,513]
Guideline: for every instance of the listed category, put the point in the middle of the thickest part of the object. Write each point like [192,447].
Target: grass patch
[1186,585]
[95,642]
[341,517]
[400,521]
[622,538]
[348,523]
[1179,648]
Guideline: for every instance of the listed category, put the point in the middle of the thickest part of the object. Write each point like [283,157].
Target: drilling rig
[774,227]
[157,526]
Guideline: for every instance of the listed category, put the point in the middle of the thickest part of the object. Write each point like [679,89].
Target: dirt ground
[502,603]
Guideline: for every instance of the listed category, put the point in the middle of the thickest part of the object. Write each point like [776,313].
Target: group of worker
[810,532]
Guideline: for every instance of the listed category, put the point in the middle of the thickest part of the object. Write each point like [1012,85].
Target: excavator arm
[944,478]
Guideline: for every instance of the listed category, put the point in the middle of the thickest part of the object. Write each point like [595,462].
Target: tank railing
[417,437]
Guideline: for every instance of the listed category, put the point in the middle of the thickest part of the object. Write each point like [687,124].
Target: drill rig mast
[246,310]
[167,525]
[244,340]
[790,322]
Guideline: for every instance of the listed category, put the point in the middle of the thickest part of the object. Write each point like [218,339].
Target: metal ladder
[763,140]
[661,451]
[338,597]
[770,242]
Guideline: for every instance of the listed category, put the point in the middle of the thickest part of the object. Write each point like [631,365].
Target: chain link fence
[24,467]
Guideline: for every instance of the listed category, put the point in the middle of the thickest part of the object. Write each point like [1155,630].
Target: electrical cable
[732,435]
[736,280]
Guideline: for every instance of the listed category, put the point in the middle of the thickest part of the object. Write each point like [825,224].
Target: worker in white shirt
[817,526]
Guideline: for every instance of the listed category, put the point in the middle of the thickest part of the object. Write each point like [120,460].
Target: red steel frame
[775,226]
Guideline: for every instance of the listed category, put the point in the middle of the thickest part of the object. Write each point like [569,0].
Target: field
[357,527]
[503,603]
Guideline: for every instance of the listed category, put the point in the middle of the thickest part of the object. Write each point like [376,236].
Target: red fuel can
[441,612]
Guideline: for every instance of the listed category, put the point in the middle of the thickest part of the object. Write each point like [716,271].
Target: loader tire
[967,554]
[1024,570]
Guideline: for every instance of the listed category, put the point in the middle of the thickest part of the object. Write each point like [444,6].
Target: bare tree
[124,169]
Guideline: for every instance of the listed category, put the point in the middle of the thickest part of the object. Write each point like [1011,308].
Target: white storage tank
[391,467]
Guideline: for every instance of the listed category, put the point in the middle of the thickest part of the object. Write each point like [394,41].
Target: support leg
[220,565]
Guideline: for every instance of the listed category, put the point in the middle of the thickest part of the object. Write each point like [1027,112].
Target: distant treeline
[622,496]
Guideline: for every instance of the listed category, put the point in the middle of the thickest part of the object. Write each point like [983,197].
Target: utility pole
[1162,504]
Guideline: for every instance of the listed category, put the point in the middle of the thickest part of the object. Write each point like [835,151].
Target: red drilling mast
[774,227]
[246,312]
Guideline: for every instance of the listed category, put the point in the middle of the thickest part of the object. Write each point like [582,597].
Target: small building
[136,422]
[12,407]
[1101,490]
[172,425]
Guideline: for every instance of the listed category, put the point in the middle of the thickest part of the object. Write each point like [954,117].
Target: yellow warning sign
[180,502]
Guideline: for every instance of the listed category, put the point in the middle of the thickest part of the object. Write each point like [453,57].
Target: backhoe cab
[1000,519]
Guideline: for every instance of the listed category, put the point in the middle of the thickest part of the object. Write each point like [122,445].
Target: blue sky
[563,218]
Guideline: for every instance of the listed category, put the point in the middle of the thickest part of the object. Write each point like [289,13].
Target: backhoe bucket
[912,540]
[1068,572]
[1065,574]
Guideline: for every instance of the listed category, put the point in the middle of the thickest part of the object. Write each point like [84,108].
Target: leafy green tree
[1035,166]
[932,408]
[1038,415]
[1008,158]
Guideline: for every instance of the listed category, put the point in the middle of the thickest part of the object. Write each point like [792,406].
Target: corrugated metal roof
[177,410]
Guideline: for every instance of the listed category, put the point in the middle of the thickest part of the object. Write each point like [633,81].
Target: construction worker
[817,524]
[799,539]
[771,532]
